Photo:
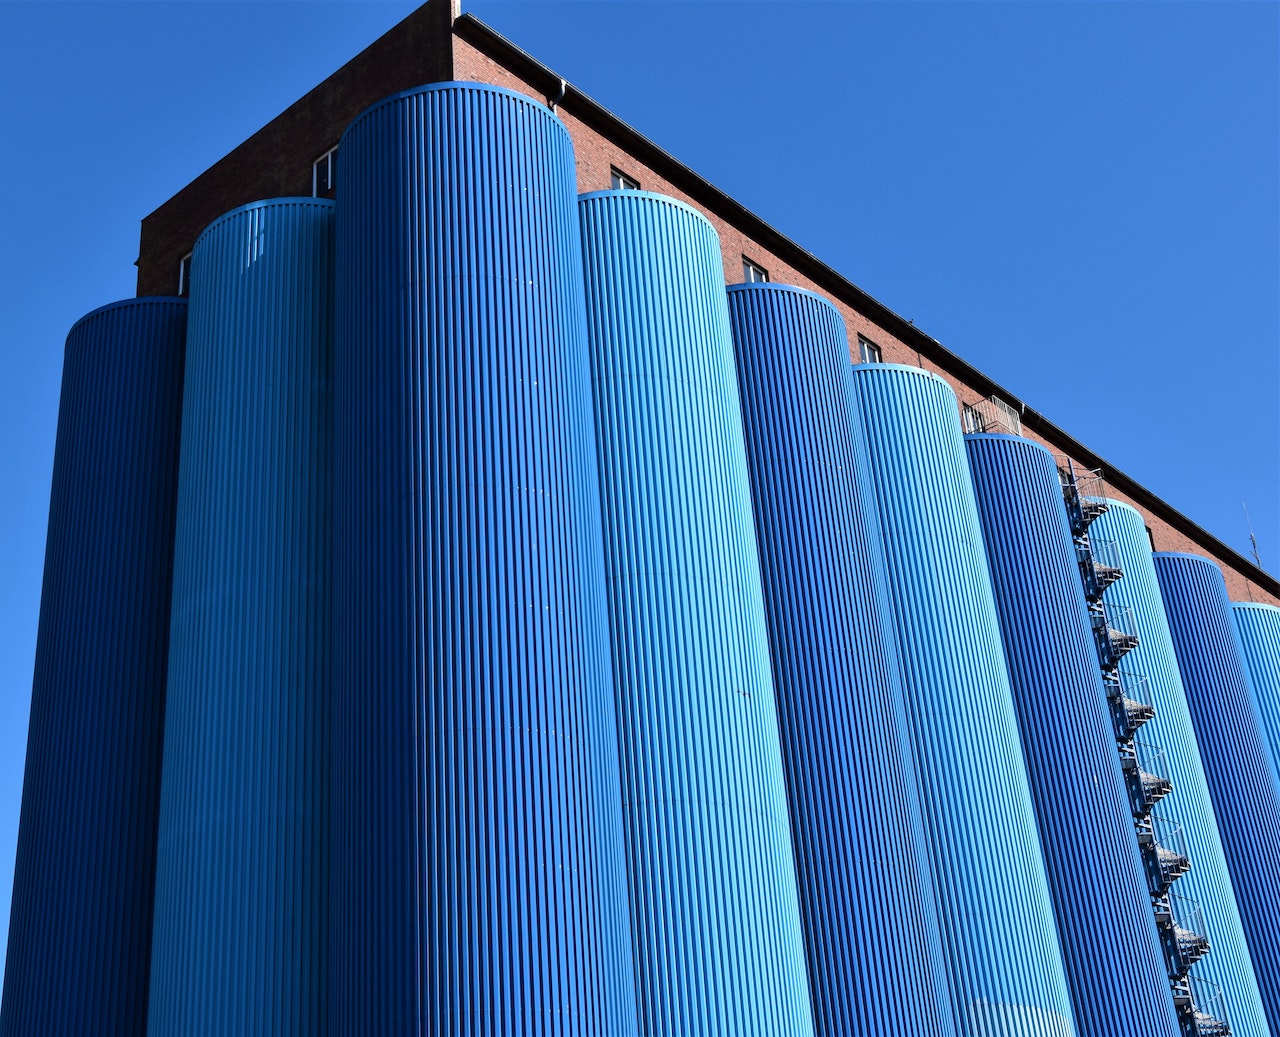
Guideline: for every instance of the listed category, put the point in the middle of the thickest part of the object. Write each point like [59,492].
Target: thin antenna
[1252,539]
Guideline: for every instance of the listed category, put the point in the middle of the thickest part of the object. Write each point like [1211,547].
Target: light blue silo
[1187,812]
[241,933]
[80,930]
[1001,941]
[718,943]
[866,898]
[1110,943]
[1258,627]
[479,871]
[1237,763]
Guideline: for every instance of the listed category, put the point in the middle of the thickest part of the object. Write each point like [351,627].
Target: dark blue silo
[479,882]
[241,933]
[1237,764]
[1258,627]
[80,930]
[866,899]
[718,942]
[999,933]
[1186,817]
[1110,944]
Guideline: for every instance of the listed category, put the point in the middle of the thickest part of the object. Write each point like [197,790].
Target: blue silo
[718,942]
[866,898]
[479,881]
[80,931]
[1110,944]
[241,932]
[1237,763]
[1258,627]
[1186,825]
[1001,942]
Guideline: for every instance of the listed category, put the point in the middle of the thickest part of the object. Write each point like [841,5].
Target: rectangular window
[184,275]
[973,419]
[619,181]
[868,351]
[1150,539]
[324,174]
[753,273]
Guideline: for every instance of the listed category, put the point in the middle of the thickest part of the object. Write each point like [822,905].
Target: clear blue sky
[1082,199]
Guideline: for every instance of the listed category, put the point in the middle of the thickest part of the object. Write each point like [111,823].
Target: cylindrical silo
[80,929]
[241,869]
[1258,627]
[1237,765]
[1110,944]
[479,881]
[1001,942]
[866,900]
[718,943]
[1187,812]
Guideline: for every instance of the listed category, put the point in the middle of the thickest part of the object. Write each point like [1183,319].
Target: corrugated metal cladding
[242,863]
[998,927]
[80,931]
[718,943]
[1208,882]
[866,899]
[1237,763]
[1108,934]
[479,880]
[1258,627]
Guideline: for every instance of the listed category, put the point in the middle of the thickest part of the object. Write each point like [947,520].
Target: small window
[324,174]
[753,273]
[184,275]
[973,419]
[868,351]
[619,181]
[1151,539]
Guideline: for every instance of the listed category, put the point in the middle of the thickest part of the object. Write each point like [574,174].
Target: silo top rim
[140,300]
[1012,438]
[908,368]
[1184,554]
[1261,605]
[266,203]
[1111,502]
[626,192]
[774,286]
[461,86]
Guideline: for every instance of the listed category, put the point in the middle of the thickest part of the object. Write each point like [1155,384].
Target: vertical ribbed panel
[1208,882]
[1108,934]
[871,927]
[1237,764]
[997,917]
[1258,627]
[718,942]
[479,869]
[80,929]
[241,867]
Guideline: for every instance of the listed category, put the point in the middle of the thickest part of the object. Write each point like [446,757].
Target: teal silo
[999,934]
[718,942]
[1238,767]
[1111,946]
[1258,627]
[479,882]
[1186,823]
[242,863]
[866,899]
[80,930]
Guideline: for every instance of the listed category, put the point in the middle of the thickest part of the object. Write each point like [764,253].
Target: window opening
[619,181]
[753,273]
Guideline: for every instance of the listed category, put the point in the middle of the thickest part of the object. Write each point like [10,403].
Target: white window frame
[184,275]
[868,351]
[753,272]
[328,157]
[620,181]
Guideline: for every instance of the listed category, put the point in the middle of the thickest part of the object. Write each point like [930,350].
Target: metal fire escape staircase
[1161,840]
